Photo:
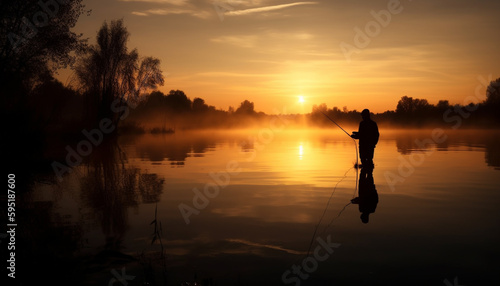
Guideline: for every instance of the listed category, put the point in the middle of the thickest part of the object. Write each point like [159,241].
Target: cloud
[177,7]
[266,8]
[240,41]
[139,13]
[268,41]
[194,13]
[171,7]
[235,74]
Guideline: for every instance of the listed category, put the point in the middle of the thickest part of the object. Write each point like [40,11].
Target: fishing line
[355,148]
[356,166]
[324,212]
[335,188]
[333,219]
[343,209]
[326,208]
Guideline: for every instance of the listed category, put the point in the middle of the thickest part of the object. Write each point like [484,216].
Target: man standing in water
[368,138]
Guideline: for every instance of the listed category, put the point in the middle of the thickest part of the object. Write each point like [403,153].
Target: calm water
[272,198]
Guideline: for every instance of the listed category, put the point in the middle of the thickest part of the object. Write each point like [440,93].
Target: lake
[270,207]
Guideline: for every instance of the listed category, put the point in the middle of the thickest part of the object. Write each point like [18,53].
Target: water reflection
[109,190]
[492,152]
[111,187]
[173,148]
[150,187]
[408,142]
[247,146]
[265,215]
[368,196]
[45,241]
[417,141]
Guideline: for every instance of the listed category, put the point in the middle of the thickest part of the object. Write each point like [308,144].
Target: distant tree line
[416,112]
[114,82]
[176,110]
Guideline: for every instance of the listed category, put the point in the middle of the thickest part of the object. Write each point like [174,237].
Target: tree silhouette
[317,113]
[54,104]
[35,40]
[199,105]
[492,103]
[110,76]
[405,105]
[443,104]
[319,108]
[410,109]
[246,107]
[178,102]
[493,93]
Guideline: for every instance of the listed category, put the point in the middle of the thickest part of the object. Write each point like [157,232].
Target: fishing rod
[333,192]
[345,175]
[336,123]
[355,144]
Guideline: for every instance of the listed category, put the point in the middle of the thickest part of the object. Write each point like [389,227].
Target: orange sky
[273,51]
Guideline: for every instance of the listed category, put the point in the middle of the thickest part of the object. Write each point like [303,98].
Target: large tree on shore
[110,76]
[35,40]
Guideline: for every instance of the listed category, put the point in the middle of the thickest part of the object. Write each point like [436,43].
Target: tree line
[177,109]
[417,112]
[114,82]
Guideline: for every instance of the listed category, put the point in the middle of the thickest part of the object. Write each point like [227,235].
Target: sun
[301,99]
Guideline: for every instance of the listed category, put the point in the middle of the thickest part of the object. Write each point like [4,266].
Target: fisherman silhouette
[368,196]
[368,138]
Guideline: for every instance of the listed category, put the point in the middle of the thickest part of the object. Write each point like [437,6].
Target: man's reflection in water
[368,196]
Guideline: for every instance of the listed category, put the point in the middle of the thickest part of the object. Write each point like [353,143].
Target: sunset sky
[274,52]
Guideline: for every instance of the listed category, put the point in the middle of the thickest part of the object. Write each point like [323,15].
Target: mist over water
[267,193]
[193,143]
